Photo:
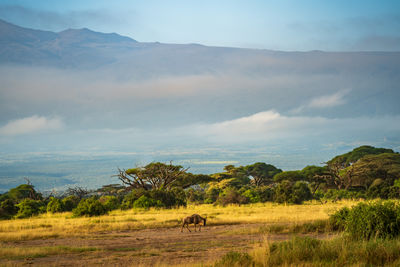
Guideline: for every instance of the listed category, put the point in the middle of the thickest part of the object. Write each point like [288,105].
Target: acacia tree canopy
[157,175]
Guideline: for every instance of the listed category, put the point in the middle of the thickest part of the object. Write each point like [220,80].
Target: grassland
[153,237]
[64,225]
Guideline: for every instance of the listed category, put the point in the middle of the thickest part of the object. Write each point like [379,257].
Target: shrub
[110,202]
[168,198]
[145,202]
[195,196]
[252,195]
[301,192]
[337,221]
[235,259]
[29,207]
[374,220]
[290,192]
[89,207]
[212,195]
[70,203]
[231,196]
[265,193]
[7,209]
[55,205]
[131,197]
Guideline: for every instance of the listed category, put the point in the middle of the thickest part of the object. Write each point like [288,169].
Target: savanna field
[262,234]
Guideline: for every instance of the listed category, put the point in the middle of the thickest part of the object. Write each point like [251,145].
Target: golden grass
[63,225]
[35,252]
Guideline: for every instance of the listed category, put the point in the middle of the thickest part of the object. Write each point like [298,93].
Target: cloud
[30,125]
[271,125]
[326,101]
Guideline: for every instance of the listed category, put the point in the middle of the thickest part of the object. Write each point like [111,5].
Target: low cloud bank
[30,125]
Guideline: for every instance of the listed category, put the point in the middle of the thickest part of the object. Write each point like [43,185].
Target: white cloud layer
[30,125]
[328,100]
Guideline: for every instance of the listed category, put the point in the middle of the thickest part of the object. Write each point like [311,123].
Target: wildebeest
[196,219]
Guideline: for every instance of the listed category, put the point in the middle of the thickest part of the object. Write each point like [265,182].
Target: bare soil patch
[163,246]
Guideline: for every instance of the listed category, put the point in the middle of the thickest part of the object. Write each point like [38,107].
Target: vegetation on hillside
[363,173]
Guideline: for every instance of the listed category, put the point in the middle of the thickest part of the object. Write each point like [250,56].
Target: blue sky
[280,25]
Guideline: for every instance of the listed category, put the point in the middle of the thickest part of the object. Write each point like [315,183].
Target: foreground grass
[36,252]
[306,251]
[64,225]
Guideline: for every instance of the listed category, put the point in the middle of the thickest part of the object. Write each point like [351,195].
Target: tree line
[365,172]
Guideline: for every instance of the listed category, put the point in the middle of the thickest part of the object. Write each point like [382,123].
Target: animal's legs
[187,226]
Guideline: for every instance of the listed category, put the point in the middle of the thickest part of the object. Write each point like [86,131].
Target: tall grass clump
[379,219]
[307,251]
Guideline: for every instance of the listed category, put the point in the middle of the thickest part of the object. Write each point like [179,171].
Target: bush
[7,209]
[337,221]
[235,259]
[251,195]
[289,192]
[195,196]
[231,196]
[70,203]
[131,197]
[374,220]
[265,193]
[212,195]
[154,198]
[29,207]
[145,202]
[55,205]
[110,202]
[89,207]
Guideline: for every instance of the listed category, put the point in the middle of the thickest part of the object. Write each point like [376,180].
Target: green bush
[89,207]
[289,192]
[70,203]
[231,196]
[265,193]
[154,198]
[110,202]
[29,207]
[337,221]
[145,203]
[374,220]
[195,196]
[55,205]
[131,197]
[7,209]
[235,259]
[252,195]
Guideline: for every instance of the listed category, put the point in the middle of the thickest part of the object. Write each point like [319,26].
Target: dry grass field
[153,237]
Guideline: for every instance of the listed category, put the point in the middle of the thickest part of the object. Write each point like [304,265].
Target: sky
[116,105]
[342,25]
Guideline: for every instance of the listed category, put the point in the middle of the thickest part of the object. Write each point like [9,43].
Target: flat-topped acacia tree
[157,175]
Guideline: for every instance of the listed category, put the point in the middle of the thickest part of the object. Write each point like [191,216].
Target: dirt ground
[164,246]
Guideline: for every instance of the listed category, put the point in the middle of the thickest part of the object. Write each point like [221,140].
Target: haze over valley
[77,104]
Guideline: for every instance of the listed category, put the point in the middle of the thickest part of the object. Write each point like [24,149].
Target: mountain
[80,48]
[191,76]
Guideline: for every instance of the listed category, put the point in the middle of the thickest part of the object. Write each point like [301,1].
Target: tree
[384,166]
[261,173]
[292,176]
[79,192]
[343,180]
[24,191]
[316,176]
[155,175]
